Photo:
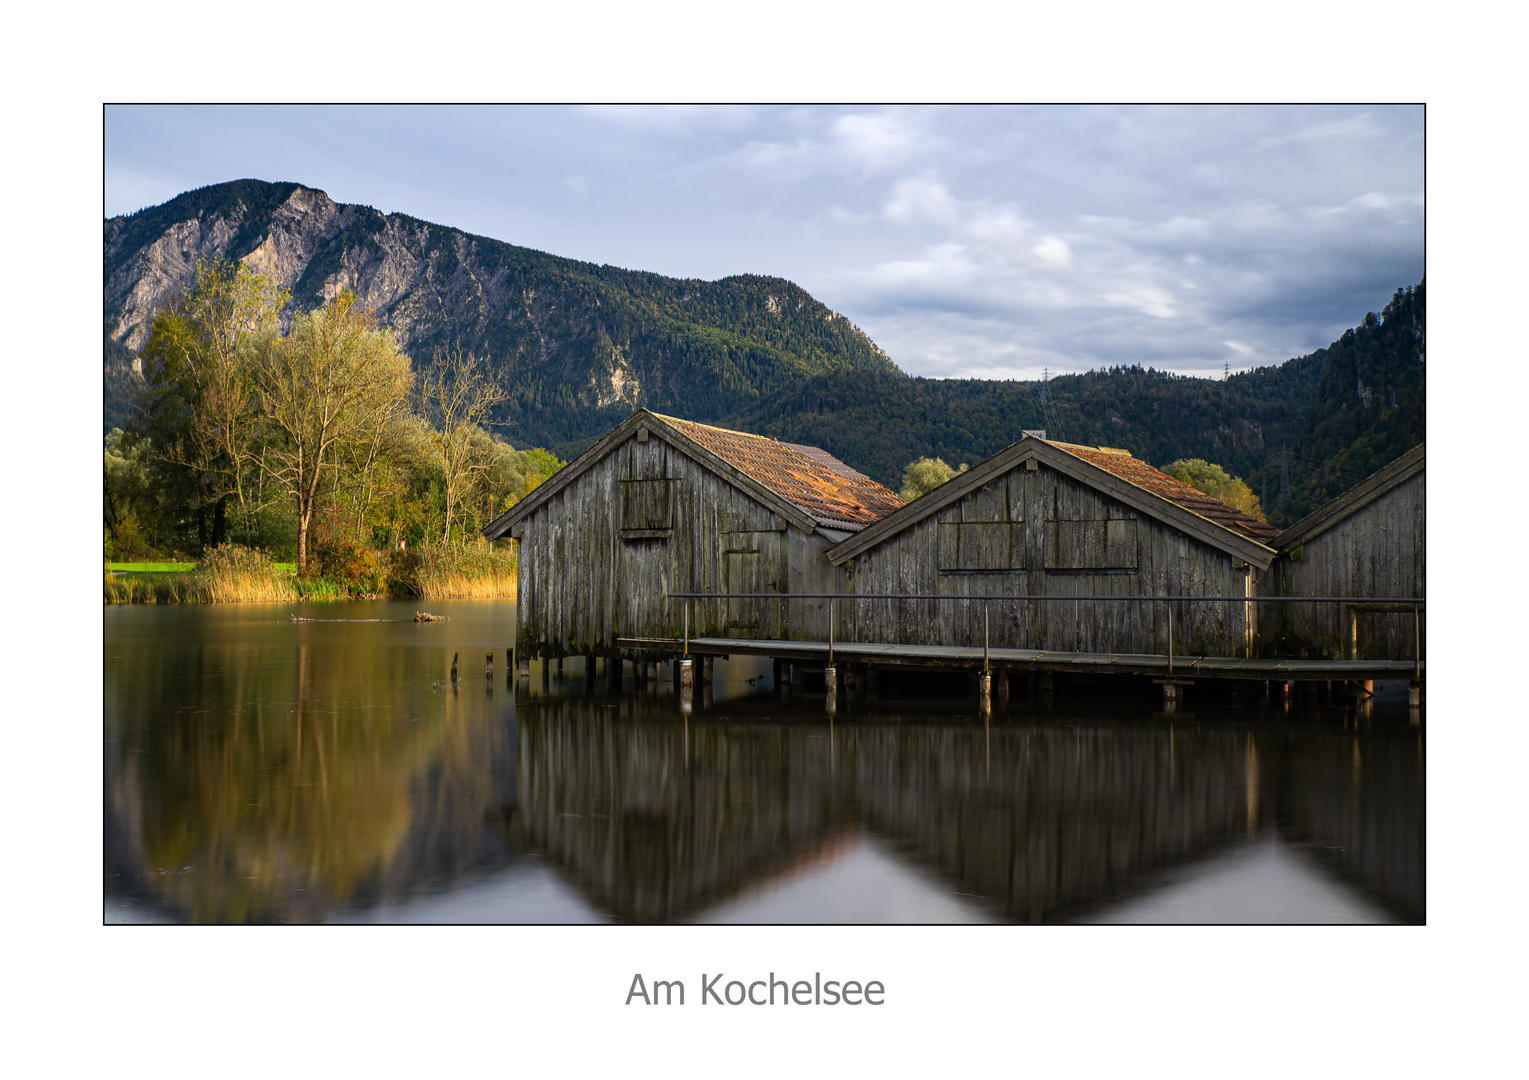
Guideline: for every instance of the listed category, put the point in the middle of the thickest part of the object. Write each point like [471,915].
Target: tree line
[316,434]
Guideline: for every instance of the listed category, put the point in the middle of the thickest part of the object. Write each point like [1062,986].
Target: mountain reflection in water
[259,770]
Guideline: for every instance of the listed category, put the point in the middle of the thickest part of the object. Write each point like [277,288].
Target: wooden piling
[453,667]
[831,680]
[488,666]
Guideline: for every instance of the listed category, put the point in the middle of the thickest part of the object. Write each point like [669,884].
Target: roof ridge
[714,427]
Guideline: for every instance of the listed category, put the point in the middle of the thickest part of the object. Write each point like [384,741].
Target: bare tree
[325,390]
[459,393]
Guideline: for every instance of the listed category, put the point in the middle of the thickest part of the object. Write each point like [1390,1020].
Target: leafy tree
[1216,482]
[197,411]
[924,475]
[324,390]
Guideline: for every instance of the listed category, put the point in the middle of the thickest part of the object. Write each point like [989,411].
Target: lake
[260,770]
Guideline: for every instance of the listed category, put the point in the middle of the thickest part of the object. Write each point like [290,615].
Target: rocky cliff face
[577,345]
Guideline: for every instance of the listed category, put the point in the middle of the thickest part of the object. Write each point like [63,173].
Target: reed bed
[462,574]
[156,589]
[232,574]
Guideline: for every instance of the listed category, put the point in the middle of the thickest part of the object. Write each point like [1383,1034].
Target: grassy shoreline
[239,575]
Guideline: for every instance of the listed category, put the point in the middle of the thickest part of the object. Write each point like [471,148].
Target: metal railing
[1416,603]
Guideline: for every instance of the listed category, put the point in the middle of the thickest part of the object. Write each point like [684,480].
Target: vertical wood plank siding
[582,585]
[1043,533]
[1376,551]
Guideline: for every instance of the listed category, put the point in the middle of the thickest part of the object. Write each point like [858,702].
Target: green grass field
[153,567]
[175,567]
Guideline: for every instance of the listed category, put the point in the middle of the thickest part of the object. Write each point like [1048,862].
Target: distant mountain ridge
[578,345]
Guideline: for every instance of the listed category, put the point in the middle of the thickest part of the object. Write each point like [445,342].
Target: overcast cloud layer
[988,242]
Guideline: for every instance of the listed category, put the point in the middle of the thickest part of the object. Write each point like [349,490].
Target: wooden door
[755,563]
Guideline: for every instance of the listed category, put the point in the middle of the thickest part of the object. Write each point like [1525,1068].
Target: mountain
[578,345]
[1370,408]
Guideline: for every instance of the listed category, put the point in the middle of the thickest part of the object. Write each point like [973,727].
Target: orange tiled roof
[813,479]
[1122,464]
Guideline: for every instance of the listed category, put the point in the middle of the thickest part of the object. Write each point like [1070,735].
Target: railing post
[830,630]
[1170,637]
[984,634]
[1417,646]
[687,626]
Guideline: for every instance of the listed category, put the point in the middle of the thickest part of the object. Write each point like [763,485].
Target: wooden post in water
[488,667]
[985,691]
[453,667]
[831,680]
[686,674]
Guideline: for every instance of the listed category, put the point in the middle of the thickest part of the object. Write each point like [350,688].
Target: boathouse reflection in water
[657,821]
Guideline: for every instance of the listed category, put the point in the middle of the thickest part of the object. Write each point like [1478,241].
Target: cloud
[1360,126]
[872,141]
[921,200]
[1053,252]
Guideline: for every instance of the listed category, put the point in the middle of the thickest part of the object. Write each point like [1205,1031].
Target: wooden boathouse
[1045,519]
[1367,543]
[662,505]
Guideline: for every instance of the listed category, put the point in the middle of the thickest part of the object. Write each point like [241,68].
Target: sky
[988,242]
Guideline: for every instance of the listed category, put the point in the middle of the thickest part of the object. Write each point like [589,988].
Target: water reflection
[260,770]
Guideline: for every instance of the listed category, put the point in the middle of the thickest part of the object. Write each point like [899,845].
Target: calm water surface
[261,770]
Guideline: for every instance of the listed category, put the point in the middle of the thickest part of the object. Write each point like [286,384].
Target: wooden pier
[966,658]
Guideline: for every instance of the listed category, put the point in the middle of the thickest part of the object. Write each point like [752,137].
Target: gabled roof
[813,479]
[807,486]
[1115,472]
[1355,499]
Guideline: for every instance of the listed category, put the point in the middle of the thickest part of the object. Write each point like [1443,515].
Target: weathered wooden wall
[599,560]
[1377,551]
[1042,533]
